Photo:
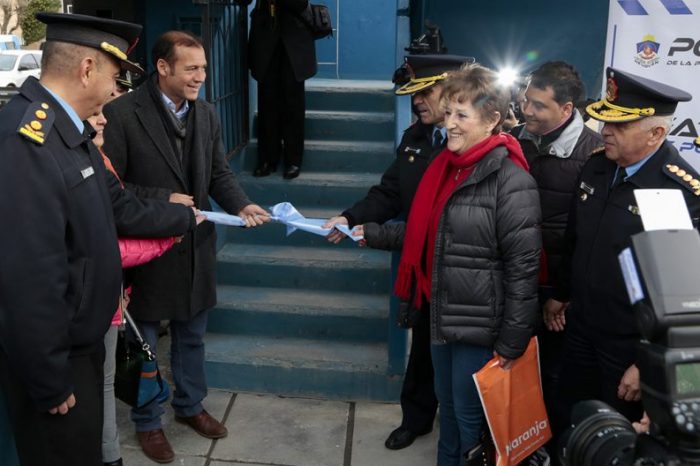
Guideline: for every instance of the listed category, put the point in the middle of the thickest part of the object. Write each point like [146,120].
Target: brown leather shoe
[156,446]
[205,425]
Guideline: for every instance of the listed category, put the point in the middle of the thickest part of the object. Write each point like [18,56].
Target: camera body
[430,41]
[668,316]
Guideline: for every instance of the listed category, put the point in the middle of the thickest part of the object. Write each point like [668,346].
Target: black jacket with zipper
[487,252]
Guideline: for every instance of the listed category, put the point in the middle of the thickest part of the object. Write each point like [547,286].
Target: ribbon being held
[287,214]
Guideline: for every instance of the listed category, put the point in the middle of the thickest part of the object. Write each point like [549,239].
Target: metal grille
[224,32]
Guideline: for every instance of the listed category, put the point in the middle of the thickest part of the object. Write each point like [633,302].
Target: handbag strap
[137,333]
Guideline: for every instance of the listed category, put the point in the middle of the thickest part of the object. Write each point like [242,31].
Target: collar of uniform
[420,133]
[647,174]
[63,124]
[563,146]
[439,129]
[634,168]
[80,126]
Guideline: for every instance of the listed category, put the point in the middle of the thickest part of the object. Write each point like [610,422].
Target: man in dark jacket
[282,55]
[392,198]
[165,143]
[557,144]
[602,334]
[60,274]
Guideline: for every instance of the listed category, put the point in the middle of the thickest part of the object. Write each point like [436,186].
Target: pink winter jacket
[136,251]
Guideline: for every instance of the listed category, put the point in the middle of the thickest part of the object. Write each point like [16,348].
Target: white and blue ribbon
[288,215]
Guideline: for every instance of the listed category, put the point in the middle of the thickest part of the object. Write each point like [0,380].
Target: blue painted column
[398,337]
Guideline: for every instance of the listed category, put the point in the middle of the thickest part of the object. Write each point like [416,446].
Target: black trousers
[593,366]
[44,439]
[281,110]
[551,345]
[418,401]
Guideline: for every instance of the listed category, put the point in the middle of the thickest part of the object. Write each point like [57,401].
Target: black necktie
[437,138]
[619,178]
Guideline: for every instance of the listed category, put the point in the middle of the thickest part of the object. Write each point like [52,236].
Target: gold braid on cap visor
[418,84]
[113,50]
[616,113]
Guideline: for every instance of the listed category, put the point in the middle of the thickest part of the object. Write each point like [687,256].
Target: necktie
[437,138]
[619,178]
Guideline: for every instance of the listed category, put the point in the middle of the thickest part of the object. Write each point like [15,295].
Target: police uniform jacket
[393,196]
[267,31]
[60,271]
[181,282]
[556,169]
[601,225]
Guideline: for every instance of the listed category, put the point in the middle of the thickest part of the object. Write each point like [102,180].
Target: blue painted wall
[164,15]
[527,33]
[364,40]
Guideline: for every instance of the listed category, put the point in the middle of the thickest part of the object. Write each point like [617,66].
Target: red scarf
[447,172]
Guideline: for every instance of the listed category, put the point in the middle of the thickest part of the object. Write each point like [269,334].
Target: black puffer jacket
[487,251]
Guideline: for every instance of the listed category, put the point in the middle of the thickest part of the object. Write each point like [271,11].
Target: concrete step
[343,125]
[331,125]
[337,156]
[307,268]
[295,313]
[311,189]
[288,366]
[350,95]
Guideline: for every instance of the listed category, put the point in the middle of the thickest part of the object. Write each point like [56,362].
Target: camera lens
[598,436]
[402,75]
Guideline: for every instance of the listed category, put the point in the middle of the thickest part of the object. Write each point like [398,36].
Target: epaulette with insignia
[37,122]
[683,177]
[598,150]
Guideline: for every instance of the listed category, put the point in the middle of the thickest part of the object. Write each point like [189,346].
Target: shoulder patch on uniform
[37,122]
[683,175]
[598,150]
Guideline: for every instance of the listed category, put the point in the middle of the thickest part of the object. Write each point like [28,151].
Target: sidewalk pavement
[269,430]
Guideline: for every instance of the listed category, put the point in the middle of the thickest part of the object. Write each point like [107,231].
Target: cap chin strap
[617,113]
[418,84]
[645,112]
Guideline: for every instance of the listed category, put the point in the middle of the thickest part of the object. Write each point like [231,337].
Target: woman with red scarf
[471,252]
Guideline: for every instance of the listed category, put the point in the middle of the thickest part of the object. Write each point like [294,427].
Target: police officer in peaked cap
[421,77]
[602,334]
[61,271]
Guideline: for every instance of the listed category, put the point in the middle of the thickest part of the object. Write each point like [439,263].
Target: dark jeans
[187,365]
[44,439]
[461,414]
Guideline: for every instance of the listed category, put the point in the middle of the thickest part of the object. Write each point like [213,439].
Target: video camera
[430,41]
[668,315]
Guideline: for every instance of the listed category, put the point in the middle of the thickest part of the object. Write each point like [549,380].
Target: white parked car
[18,65]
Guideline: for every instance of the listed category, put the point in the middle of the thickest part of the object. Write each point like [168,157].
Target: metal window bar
[224,33]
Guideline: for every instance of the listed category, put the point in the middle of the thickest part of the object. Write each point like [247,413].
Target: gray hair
[663,121]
